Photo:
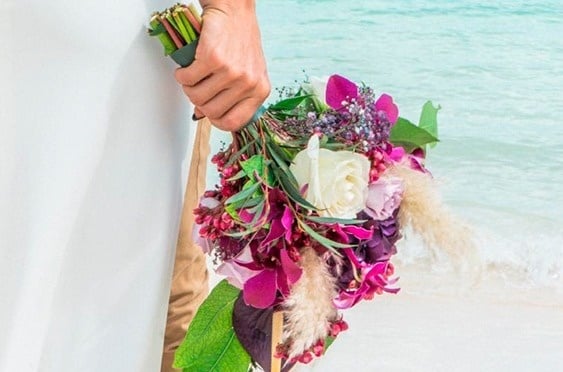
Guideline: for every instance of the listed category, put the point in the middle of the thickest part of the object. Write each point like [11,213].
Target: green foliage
[331,220]
[325,242]
[429,120]
[409,136]
[243,195]
[210,343]
[288,104]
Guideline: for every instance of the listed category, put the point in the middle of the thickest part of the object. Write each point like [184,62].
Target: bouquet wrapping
[312,199]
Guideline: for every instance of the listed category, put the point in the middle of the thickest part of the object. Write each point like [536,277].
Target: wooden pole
[277,332]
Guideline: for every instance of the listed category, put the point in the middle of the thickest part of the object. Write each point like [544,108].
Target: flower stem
[171,32]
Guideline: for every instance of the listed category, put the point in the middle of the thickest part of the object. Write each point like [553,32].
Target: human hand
[228,80]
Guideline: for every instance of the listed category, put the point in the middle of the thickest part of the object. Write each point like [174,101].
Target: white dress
[94,145]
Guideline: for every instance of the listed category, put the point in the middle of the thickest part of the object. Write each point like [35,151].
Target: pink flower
[384,197]
[261,290]
[374,280]
[385,104]
[340,90]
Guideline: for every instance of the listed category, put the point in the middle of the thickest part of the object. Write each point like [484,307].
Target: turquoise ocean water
[496,68]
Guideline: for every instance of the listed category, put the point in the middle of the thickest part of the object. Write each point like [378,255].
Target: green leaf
[253,165]
[325,242]
[329,220]
[429,119]
[244,194]
[288,104]
[291,190]
[231,209]
[210,343]
[237,154]
[240,174]
[328,341]
[409,136]
[281,155]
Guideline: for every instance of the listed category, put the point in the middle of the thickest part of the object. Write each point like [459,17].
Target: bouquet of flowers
[312,199]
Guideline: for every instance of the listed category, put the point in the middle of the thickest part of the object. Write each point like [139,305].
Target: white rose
[317,87]
[337,181]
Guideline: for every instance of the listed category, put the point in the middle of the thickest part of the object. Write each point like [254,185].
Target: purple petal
[260,290]
[339,89]
[385,103]
[349,252]
[253,328]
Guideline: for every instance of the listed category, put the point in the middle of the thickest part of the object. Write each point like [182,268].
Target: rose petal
[260,290]
[339,89]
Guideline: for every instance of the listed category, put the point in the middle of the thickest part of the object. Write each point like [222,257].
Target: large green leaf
[409,136]
[211,343]
[429,119]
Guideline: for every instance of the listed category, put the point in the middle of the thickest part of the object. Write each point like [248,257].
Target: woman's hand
[228,80]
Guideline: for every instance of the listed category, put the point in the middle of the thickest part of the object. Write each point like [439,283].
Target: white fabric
[94,143]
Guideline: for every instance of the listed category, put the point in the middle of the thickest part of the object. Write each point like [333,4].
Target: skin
[228,81]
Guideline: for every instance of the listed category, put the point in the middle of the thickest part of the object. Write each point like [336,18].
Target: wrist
[228,6]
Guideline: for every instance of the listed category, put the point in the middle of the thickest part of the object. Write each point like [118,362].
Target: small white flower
[337,181]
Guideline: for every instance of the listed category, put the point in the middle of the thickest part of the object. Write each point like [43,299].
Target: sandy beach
[449,327]
[411,332]
[471,331]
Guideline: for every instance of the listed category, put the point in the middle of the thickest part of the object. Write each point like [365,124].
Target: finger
[225,100]
[238,116]
[205,90]
[198,114]
[194,73]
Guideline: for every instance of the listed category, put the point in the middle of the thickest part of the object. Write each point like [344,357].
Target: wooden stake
[277,332]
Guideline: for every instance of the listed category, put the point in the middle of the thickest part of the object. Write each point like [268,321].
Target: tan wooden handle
[277,332]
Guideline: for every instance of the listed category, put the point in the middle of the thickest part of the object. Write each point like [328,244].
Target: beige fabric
[190,279]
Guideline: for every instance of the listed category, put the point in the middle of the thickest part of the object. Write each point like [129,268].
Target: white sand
[487,328]
[421,333]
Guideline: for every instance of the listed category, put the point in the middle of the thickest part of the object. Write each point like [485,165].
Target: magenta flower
[374,279]
[261,290]
[340,90]
[385,104]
